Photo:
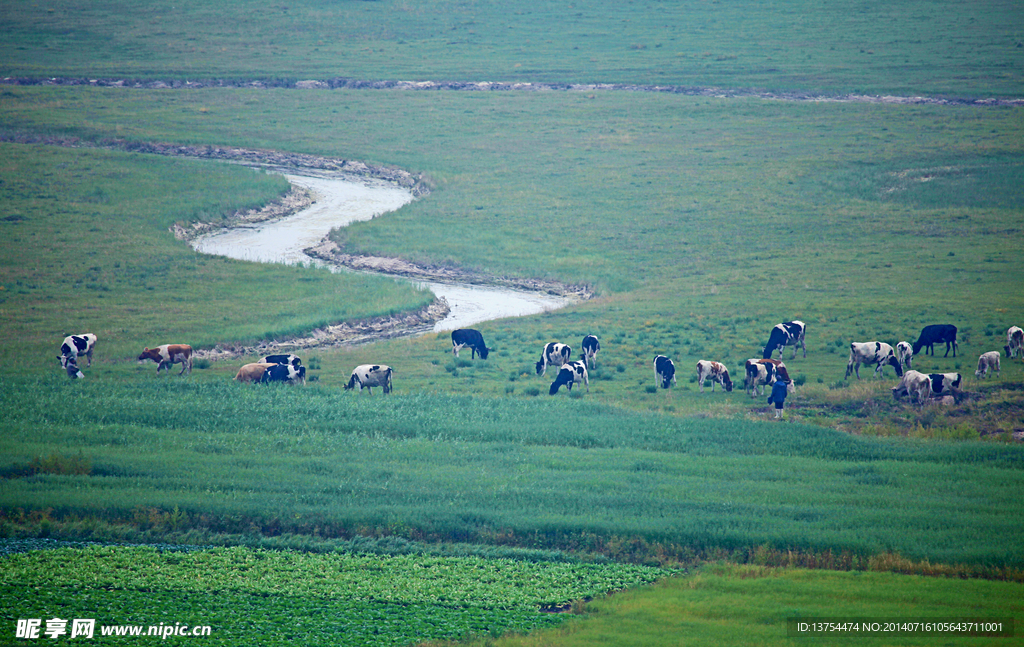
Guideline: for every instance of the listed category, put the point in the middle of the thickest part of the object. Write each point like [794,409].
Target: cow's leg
[88,357]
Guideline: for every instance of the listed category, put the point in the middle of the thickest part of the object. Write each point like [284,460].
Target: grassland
[916,47]
[701,221]
[750,605]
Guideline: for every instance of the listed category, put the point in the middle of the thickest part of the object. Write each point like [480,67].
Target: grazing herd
[759,373]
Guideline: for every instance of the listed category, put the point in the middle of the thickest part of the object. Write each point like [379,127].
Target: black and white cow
[759,372]
[590,347]
[291,360]
[872,352]
[905,354]
[790,333]
[664,371]
[75,345]
[914,384]
[469,337]
[570,374]
[716,371]
[284,373]
[71,366]
[986,363]
[936,334]
[1014,342]
[945,383]
[554,354]
[370,375]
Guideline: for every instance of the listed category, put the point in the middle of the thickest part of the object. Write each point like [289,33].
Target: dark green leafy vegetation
[274,597]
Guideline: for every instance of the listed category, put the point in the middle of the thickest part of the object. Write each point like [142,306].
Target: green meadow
[913,48]
[699,222]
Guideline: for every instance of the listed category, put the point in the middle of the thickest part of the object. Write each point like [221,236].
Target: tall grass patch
[269,461]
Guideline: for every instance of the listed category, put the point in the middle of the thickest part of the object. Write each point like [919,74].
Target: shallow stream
[340,202]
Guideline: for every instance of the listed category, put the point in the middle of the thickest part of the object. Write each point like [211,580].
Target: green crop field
[761,187]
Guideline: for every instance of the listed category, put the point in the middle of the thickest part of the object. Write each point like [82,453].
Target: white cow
[905,354]
[590,347]
[872,352]
[1014,342]
[75,345]
[570,374]
[986,362]
[945,383]
[914,384]
[664,371]
[554,354]
[759,373]
[370,375]
[716,371]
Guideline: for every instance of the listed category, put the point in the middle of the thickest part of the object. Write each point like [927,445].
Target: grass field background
[913,48]
[700,221]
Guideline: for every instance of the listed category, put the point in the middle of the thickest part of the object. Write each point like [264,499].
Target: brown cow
[169,354]
[252,372]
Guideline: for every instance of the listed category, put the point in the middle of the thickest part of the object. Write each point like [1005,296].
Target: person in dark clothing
[779,392]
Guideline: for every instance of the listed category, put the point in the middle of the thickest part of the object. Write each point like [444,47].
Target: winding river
[340,202]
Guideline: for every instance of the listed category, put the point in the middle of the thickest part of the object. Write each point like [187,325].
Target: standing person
[779,392]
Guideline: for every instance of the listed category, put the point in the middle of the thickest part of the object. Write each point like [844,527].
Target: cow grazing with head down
[253,372]
[905,354]
[914,384]
[590,347]
[986,363]
[284,373]
[469,337]
[554,354]
[1014,342]
[570,374]
[664,371]
[872,352]
[75,345]
[790,333]
[716,371]
[937,334]
[169,354]
[760,373]
[371,375]
[71,366]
